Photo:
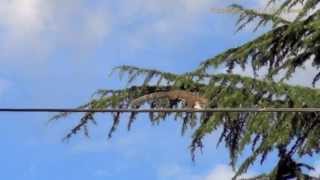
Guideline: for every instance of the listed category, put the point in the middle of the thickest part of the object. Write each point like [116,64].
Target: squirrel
[191,99]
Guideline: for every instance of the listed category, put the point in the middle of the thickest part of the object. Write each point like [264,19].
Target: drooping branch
[238,129]
[247,16]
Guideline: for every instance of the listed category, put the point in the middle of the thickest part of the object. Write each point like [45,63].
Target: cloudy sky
[56,53]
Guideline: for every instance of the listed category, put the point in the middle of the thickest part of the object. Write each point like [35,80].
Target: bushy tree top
[289,44]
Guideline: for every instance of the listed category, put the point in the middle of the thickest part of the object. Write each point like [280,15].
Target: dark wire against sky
[75,110]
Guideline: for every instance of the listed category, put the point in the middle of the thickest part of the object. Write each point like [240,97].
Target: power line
[261,10]
[168,110]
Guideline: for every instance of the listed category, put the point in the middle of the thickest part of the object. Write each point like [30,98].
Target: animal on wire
[190,99]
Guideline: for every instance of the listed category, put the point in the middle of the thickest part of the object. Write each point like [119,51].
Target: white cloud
[220,171]
[35,27]
[176,172]
[224,172]
[22,15]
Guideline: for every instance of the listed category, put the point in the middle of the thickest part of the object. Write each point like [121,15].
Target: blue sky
[56,53]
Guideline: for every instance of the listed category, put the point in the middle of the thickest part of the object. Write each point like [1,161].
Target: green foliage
[248,15]
[286,47]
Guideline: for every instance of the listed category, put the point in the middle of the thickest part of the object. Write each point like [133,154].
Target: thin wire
[168,110]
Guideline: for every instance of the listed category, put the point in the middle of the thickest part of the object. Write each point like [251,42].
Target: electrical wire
[168,110]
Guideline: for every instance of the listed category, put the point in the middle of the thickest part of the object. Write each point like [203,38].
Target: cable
[168,110]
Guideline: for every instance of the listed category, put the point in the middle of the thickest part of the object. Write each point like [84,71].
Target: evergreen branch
[65,114]
[222,90]
[255,49]
[191,100]
[286,5]
[308,5]
[249,15]
[283,48]
[286,47]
